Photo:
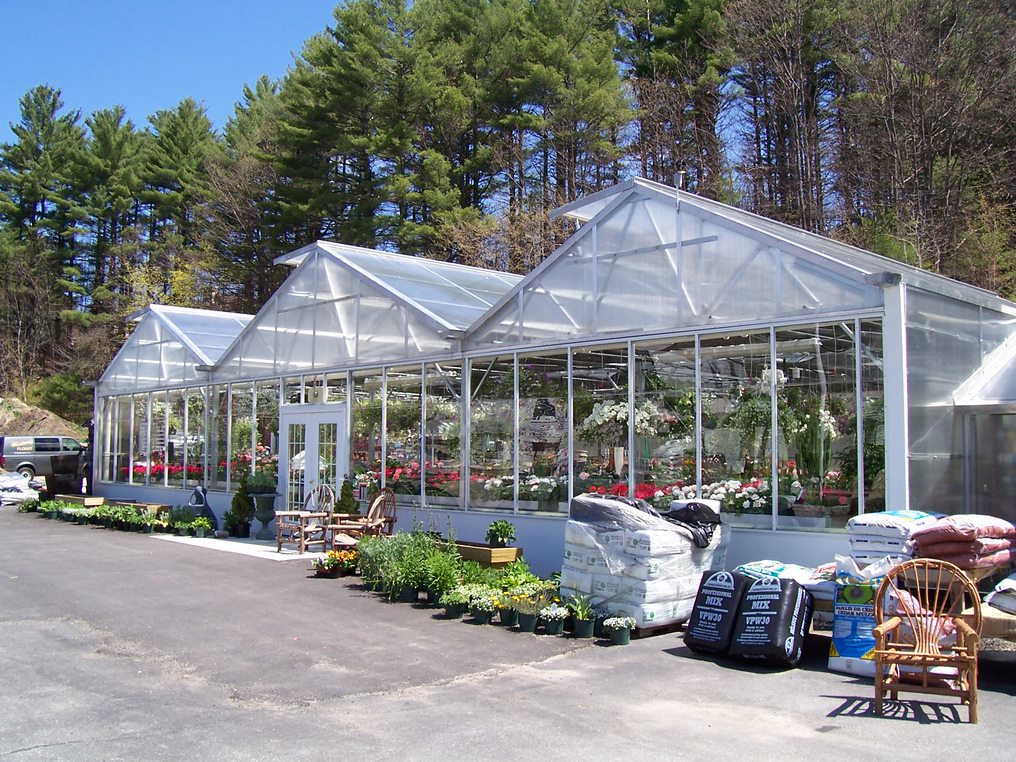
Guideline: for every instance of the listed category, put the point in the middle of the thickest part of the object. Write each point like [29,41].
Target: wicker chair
[922,644]
[379,519]
[308,527]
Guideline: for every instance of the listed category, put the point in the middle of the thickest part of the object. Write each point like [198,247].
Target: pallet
[663,629]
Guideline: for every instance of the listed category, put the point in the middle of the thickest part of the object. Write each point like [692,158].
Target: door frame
[310,416]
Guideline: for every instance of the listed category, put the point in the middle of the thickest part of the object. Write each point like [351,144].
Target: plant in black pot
[261,487]
[500,533]
[237,519]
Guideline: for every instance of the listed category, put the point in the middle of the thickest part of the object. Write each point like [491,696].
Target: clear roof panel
[624,272]
[454,294]
[210,332]
[329,314]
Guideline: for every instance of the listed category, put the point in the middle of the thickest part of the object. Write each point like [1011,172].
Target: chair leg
[879,691]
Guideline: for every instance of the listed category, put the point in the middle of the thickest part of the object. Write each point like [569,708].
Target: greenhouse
[672,347]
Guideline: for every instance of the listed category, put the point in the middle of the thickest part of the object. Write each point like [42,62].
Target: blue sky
[148,56]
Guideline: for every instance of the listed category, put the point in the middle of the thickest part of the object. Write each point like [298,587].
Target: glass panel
[816,392]
[600,415]
[157,432]
[314,391]
[196,437]
[121,460]
[492,427]
[267,414]
[218,417]
[295,458]
[367,431]
[139,440]
[336,387]
[241,430]
[443,462]
[665,391]
[994,478]
[402,414]
[543,433]
[873,400]
[292,391]
[943,349]
[176,442]
[328,455]
[736,421]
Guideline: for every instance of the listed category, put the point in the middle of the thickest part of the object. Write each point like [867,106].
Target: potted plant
[241,510]
[347,502]
[182,528]
[455,602]
[335,563]
[440,573]
[584,616]
[482,601]
[261,487]
[553,617]
[618,629]
[200,525]
[500,533]
[530,599]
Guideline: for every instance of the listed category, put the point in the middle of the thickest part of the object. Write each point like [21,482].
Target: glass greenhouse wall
[666,350]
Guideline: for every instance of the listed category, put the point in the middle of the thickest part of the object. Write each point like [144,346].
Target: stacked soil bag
[1003,597]
[632,562]
[757,619]
[875,536]
[971,541]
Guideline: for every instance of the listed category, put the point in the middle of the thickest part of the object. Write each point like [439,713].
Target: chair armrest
[347,516]
[968,633]
[883,630]
[288,514]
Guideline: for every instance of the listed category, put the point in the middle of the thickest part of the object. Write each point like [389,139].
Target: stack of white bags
[15,489]
[633,563]
[875,536]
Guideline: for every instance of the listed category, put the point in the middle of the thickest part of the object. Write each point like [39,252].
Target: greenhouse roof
[867,264]
[207,333]
[454,295]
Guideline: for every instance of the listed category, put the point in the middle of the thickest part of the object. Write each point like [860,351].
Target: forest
[450,129]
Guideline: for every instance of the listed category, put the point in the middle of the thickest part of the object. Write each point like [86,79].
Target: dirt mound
[19,419]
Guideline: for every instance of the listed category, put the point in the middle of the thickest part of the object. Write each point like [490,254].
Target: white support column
[897,435]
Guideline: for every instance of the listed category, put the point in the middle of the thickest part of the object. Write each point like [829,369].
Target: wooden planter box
[88,501]
[486,555]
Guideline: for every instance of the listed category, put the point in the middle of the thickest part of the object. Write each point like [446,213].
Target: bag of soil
[772,622]
[715,613]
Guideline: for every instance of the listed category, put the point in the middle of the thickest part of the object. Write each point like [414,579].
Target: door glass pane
[328,455]
[296,457]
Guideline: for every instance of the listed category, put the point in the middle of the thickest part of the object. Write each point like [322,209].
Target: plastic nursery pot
[527,622]
[455,610]
[553,627]
[620,637]
[508,617]
[409,595]
[583,628]
[481,617]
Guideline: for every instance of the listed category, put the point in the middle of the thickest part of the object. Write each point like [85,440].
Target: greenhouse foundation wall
[541,538]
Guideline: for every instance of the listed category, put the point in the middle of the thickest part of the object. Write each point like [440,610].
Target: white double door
[313,450]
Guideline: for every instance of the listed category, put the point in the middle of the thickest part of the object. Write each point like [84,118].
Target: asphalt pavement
[121,646]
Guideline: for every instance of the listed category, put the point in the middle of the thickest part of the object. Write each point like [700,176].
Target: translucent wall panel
[543,432]
[241,431]
[267,435]
[443,435]
[601,455]
[994,466]
[218,440]
[491,433]
[176,441]
[664,457]
[403,411]
[140,451]
[122,457]
[367,429]
[943,349]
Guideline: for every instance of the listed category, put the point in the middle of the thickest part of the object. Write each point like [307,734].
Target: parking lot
[126,646]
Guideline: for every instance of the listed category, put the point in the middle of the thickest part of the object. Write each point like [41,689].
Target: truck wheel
[27,472]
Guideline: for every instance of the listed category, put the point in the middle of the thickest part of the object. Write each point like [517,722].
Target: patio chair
[308,527]
[922,643]
[379,519]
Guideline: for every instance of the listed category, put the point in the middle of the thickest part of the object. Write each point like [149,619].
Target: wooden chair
[308,527]
[922,644]
[379,519]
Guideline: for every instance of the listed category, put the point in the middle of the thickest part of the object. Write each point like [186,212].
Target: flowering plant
[343,560]
[533,597]
[618,623]
[608,422]
[554,613]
